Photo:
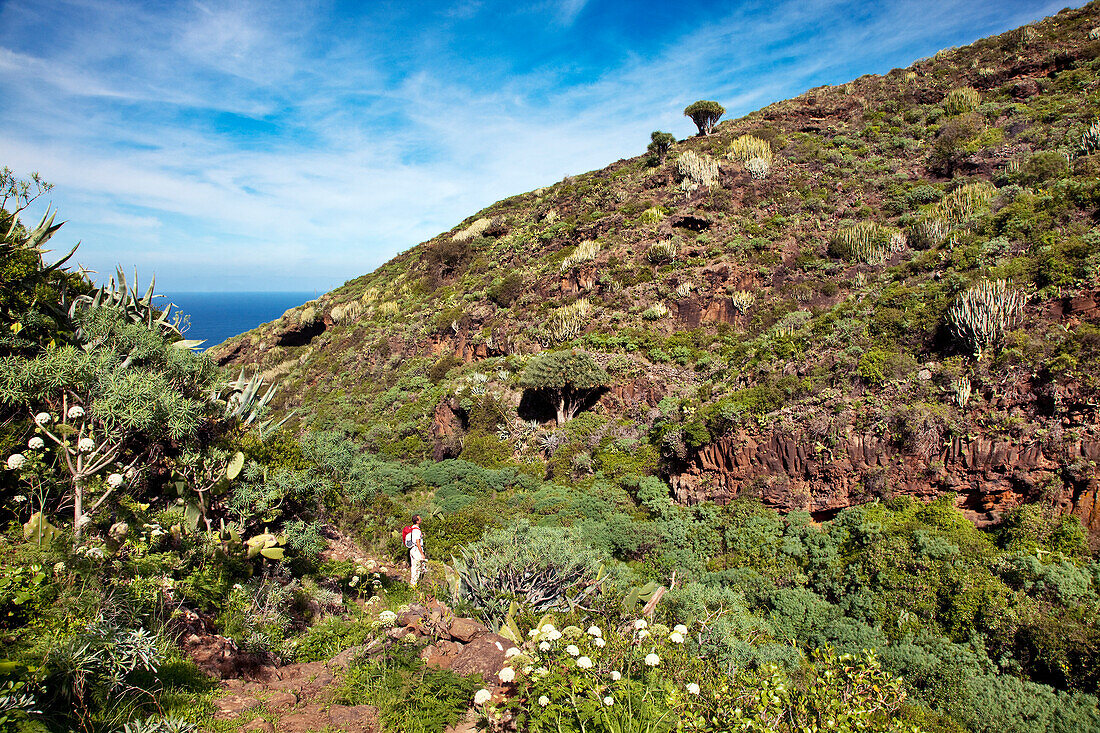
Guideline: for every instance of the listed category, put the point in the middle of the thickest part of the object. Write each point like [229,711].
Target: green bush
[409,695]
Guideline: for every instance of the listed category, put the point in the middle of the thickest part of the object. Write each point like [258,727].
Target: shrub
[541,568]
[982,315]
[705,114]
[649,678]
[92,672]
[409,695]
[507,290]
[1042,167]
[953,145]
[655,312]
[328,638]
[696,170]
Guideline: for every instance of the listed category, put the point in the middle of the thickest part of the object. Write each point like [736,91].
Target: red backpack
[405,537]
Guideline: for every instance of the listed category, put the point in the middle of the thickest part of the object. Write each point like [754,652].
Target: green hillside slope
[890,286]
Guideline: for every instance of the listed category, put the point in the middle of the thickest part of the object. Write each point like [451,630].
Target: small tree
[569,378]
[662,141]
[705,114]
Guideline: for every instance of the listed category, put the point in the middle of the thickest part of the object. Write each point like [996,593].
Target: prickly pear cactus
[39,531]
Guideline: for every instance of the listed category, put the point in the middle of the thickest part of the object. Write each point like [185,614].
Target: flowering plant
[606,680]
[646,677]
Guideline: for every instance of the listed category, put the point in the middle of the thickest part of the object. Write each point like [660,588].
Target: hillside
[774,311]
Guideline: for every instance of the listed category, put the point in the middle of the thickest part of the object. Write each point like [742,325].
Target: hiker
[418,559]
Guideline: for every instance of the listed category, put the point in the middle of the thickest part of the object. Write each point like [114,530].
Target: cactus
[742,300]
[567,322]
[1090,140]
[586,250]
[929,232]
[39,531]
[474,230]
[962,100]
[661,252]
[684,289]
[655,312]
[233,468]
[982,315]
[266,545]
[652,216]
[638,596]
[864,242]
[963,203]
[758,168]
[747,147]
[696,170]
[349,311]
[960,389]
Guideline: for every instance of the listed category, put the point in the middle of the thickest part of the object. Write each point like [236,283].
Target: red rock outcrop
[791,472]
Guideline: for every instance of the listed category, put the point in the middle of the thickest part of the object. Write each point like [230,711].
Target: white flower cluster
[115,480]
[43,419]
[75,412]
[86,445]
[36,443]
[387,618]
[15,461]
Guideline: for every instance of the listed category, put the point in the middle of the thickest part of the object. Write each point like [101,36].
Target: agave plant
[121,296]
[540,568]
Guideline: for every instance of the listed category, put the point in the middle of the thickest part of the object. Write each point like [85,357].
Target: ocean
[217,316]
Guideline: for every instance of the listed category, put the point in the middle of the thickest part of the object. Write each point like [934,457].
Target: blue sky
[292,146]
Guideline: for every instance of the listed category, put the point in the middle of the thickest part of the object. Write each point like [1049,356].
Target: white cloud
[365,138]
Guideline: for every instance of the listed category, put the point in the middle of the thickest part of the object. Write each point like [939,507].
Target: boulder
[231,707]
[354,719]
[484,655]
[466,629]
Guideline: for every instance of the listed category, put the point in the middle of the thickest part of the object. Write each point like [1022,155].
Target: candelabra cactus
[742,300]
[1090,139]
[586,250]
[982,315]
[863,242]
[567,322]
[696,170]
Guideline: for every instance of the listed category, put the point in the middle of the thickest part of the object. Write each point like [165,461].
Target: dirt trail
[297,698]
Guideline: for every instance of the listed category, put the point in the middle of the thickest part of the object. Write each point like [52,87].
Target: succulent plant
[865,241]
[748,147]
[586,250]
[696,169]
[742,300]
[982,315]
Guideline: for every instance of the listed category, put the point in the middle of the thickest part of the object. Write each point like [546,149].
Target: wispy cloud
[297,145]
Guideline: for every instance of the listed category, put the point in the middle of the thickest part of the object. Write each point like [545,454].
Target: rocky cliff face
[790,472]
